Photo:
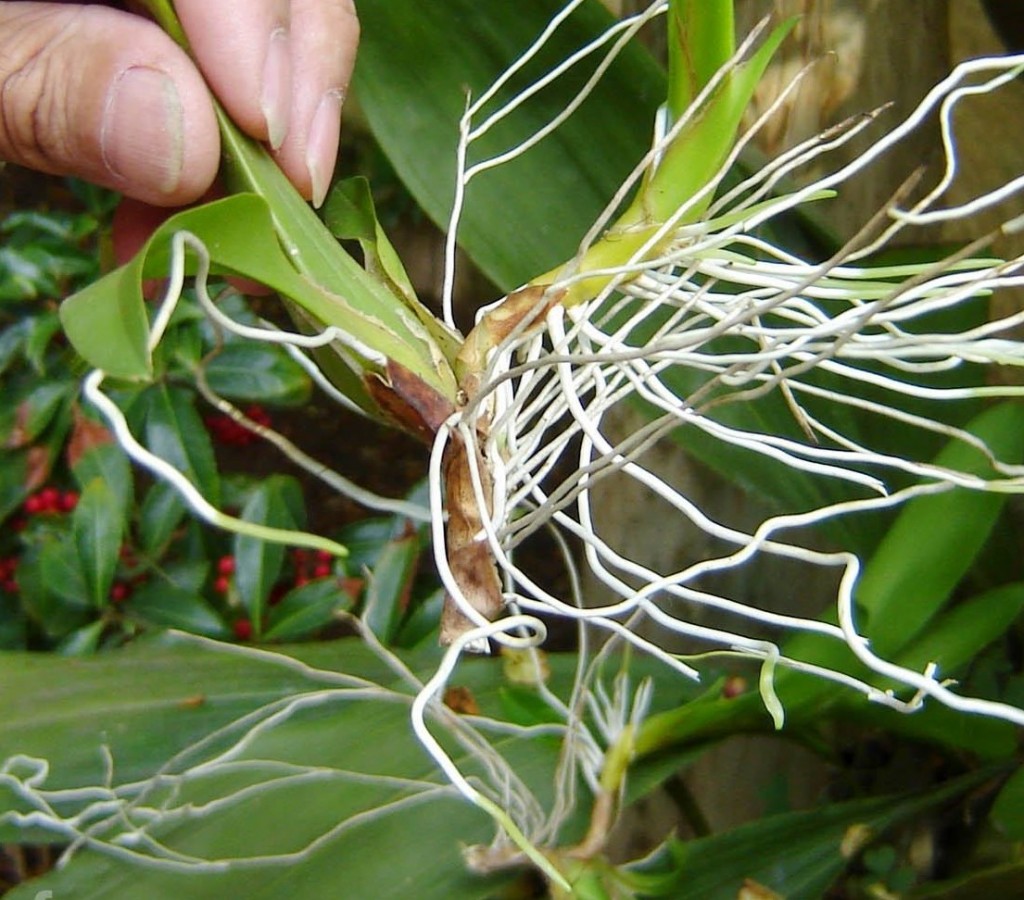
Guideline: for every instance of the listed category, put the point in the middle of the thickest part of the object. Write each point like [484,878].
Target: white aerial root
[726,318]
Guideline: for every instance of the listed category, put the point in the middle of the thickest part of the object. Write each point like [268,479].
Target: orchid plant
[847,384]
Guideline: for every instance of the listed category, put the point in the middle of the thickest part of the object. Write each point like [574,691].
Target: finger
[324,37]
[242,47]
[106,96]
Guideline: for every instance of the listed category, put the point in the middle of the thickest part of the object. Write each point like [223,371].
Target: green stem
[701,39]
[163,13]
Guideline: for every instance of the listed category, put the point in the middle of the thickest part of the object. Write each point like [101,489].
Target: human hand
[107,96]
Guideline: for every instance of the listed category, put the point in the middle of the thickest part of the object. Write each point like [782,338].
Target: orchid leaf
[241,237]
[417,61]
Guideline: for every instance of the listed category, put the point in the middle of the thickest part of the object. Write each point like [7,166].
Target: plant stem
[701,39]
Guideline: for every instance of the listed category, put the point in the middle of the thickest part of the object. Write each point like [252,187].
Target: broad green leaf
[107,321]
[53,586]
[257,372]
[44,327]
[276,502]
[305,610]
[153,700]
[421,625]
[417,61]
[97,526]
[82,641]
[798,854]
[109,463]
[356,301]
[953,638]
[1007,812]
[28,406]
[162,510]
[175,433]
[163,604]
[936,538]
[388,587]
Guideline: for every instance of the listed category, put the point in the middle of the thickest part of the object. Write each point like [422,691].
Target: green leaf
[955,637]
[97,526]
[701,146]
[305,610]
[28,407]
[53,586]
[276,502]
[257,372]
[387,591]
[153,700]
[161,513]
[84,640]
[936,538]
[163,604]
[350,214]
[701,39]
[355,301]
[109,463]
[416,63]
[798,854]
[1007,813]
[107,321]
[176,434]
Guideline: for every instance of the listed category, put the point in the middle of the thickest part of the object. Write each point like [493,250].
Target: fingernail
[276,93]
[142,132]
[322,143]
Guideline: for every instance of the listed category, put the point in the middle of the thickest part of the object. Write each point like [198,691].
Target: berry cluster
[227,431]
[8,566]
[310,564]
[225,569]
[51,501]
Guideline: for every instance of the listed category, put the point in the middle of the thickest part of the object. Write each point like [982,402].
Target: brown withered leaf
[460,699]
[409,402]
[86,434]
[38,463]
[19,430]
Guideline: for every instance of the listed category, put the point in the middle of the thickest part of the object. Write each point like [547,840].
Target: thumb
[105,96]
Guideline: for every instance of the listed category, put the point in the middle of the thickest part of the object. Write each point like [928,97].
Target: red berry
[10,585]
[242,629]
[324,556]
[300,556]
[226,565]
[50,498]
[68,501]
[119,592]
[222,584]
[322,570]
[301,581]
[258,414]
[34,505]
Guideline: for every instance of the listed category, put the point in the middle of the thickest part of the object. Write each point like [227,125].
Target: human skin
[105,95]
